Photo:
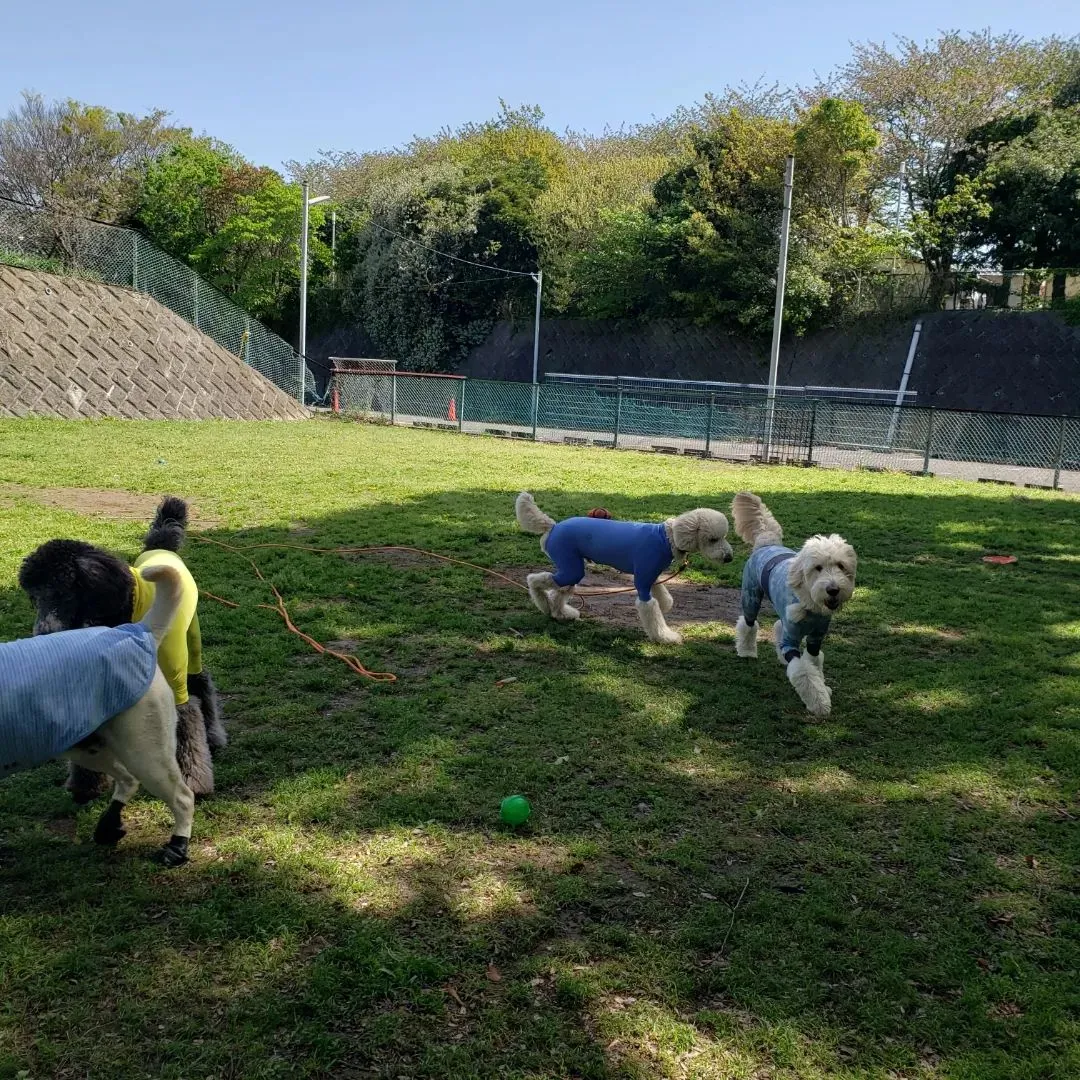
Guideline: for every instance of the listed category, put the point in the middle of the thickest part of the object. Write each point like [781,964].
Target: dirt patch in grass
[403,560]
[108,503]
[62,827]
[695,604]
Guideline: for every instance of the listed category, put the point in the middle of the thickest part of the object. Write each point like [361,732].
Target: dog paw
[110,827]
[567,614]
[174,853]
[108,835]
[822,703]
[668,637]
[746,639]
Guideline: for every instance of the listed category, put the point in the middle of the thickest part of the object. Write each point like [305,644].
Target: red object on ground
[451,412]
[598,512]
[1000,560]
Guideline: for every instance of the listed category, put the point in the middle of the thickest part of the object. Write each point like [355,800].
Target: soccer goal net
[361,385]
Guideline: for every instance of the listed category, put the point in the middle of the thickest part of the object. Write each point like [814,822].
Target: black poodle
[74,584]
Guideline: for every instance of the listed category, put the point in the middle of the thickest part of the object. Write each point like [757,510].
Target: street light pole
[308,203]
[778,313]
[899,205]
[538,277]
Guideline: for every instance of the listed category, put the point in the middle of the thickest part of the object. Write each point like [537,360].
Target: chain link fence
[58,243]
[1037,451]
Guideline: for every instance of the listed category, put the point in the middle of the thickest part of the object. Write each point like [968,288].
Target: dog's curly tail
[168,591]
[754,522]
[169,527]
[530,517]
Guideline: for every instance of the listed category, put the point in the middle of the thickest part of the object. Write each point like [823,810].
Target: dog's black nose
[727,557]
[833,590]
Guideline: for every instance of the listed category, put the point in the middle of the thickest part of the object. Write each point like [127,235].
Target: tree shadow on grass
[710,885]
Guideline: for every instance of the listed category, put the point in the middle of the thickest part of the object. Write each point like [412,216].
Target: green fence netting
[44,240]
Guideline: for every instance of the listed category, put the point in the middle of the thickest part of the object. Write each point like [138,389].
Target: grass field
[710,885]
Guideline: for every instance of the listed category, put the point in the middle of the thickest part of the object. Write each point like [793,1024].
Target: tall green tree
[238,225]
[835,143]
[425,271]
[926,97]
[82,160]
[706,248]
[1028,172]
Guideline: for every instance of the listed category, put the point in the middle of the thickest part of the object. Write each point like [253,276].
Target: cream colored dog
[61,691]
[804,587]
[643,549]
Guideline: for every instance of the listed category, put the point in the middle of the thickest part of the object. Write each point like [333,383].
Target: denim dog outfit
[766,576]
[633,547]
[57,689]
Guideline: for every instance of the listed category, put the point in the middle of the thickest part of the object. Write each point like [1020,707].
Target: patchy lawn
[711,886]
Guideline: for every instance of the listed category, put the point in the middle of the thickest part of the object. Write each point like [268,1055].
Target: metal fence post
[134,260]
[930,417]
[393,399]
[708,424]
[1060,452]
[535,407]
[813,424]
[618,419]
[461,408]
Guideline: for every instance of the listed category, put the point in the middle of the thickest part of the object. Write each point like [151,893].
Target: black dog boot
[175,852]
[110,829]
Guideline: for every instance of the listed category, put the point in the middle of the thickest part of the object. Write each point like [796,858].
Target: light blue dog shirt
[766,575]
[57,689]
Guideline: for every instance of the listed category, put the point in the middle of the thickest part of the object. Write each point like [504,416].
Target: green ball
[515,810]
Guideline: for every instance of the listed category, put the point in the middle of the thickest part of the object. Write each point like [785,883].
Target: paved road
[824,456]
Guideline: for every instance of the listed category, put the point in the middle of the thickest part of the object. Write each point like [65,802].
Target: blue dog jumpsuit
[633,547]
[57,689]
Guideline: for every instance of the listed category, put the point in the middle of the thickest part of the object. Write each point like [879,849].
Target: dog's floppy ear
[797,572]
[851,559]
[106,585]
[100,570]
[685,530]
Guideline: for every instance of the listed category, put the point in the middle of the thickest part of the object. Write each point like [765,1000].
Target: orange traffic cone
[451,412]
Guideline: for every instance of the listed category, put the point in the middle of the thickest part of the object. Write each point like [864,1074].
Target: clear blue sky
[360,76]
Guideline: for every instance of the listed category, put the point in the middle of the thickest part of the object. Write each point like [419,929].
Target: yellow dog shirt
[180,652]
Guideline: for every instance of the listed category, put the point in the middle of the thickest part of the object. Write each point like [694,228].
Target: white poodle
[643,549]
[804,588]
[98,697]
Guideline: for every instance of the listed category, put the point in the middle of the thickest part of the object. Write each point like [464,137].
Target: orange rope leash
[350,661]
[384,548]
[220,599]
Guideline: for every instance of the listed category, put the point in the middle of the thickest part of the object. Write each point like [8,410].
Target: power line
[432,287]
[447,255]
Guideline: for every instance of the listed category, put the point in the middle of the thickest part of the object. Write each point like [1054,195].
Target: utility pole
[778,312]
